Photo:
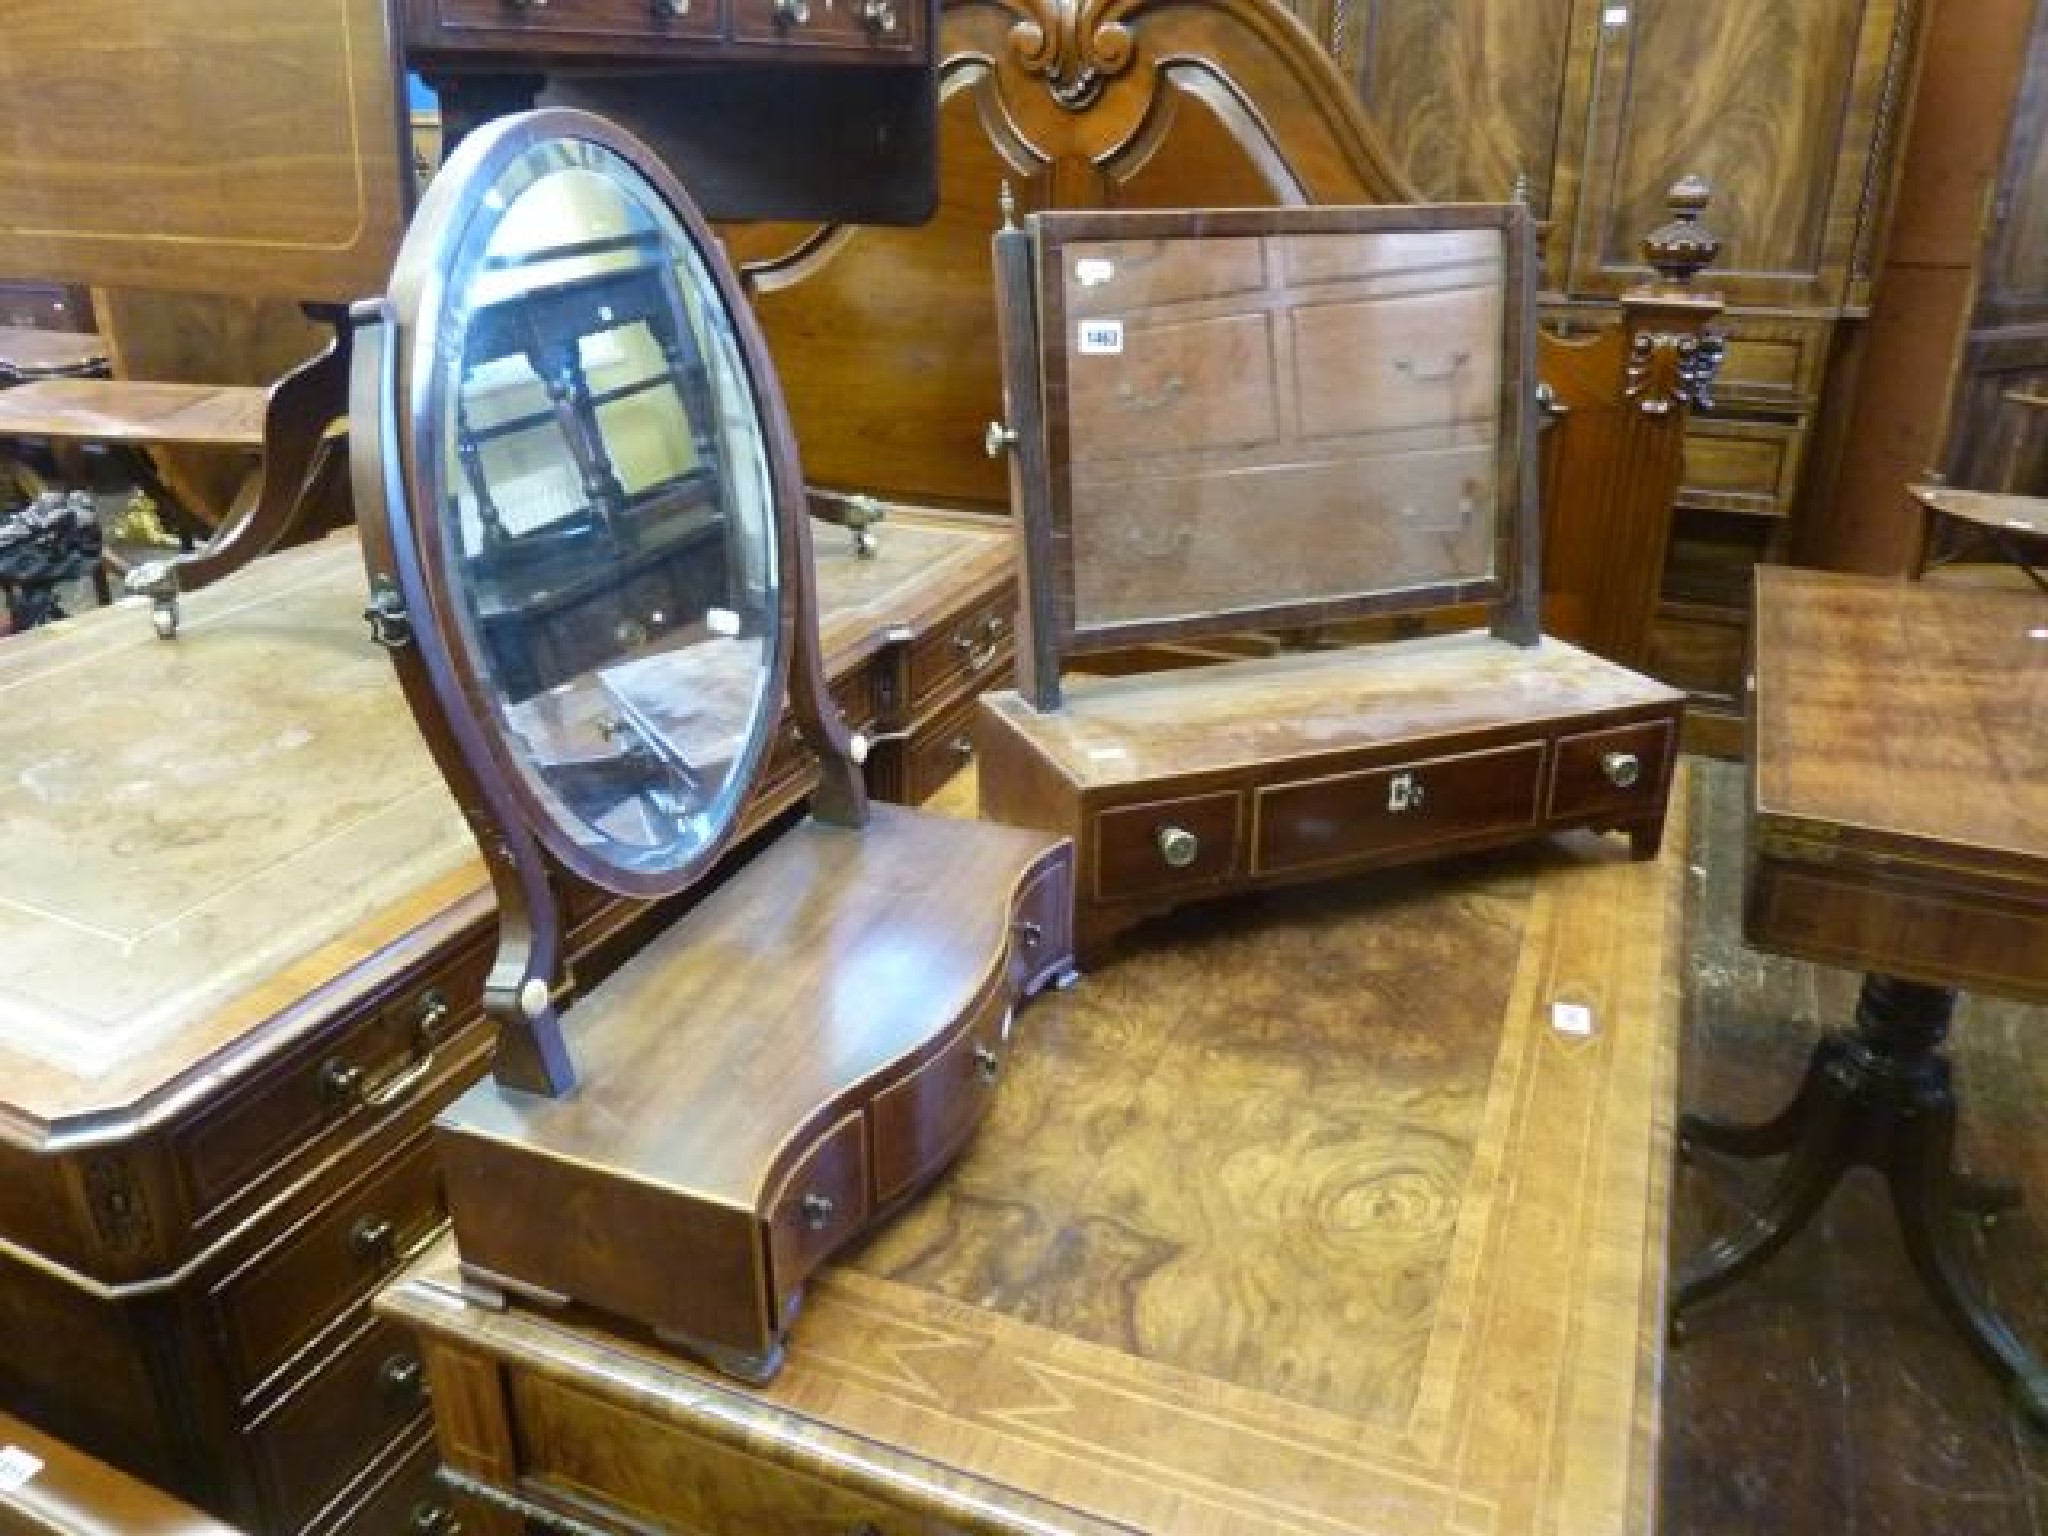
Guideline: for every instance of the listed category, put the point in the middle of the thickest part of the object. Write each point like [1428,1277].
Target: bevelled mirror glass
[588,446]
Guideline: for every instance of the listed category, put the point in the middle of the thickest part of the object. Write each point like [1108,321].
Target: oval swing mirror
[590,492]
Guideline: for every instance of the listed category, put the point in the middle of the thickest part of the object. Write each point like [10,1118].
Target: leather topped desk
[1301,1216]
[1899,826]
[243,932]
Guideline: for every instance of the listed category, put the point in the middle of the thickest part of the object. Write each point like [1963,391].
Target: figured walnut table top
[1300,1217]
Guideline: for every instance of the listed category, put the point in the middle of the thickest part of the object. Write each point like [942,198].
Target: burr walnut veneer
[1305,1218]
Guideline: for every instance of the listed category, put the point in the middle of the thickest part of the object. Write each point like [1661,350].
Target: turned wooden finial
[1006,205]
[1679,248]
[1519,191]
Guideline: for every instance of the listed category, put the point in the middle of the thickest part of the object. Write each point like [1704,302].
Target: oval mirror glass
[603,507]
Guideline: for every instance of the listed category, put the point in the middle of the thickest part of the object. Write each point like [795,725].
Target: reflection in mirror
[607,516]
[1279,419]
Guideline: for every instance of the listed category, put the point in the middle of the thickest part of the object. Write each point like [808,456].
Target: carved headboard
[885,338]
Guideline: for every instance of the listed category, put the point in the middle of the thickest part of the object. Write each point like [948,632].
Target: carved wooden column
[1611,456]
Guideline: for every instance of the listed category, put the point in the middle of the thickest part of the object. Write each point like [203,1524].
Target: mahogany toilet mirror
[585,533]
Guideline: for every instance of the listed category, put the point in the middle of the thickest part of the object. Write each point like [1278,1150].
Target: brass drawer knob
[374,1239]
[979,643]
[998,439]
[792,13]
[817,1211]
[1178,846]
[988,1066]
[1623,769]
[1029,934]
[879,17]
[403,1382]
[341,1082]
[672,10]
[432,1520]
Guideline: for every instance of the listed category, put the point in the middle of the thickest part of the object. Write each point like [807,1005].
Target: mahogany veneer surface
[1305,1218]
[1899,778]
[1160,725]
[123,411]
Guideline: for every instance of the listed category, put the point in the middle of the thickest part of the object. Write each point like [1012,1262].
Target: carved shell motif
[1667,369]
[1078,47]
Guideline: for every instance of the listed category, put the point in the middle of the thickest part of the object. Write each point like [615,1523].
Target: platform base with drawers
[1184,785]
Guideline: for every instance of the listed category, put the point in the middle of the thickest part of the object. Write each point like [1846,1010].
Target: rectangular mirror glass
[1244,422]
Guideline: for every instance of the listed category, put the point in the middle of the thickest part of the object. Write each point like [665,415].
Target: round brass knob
[373,1239]
[1178,846]
[879,17]
[672,10]
[792,13]
[403,1381]
[997,439]
[1622,768]
[988,1066]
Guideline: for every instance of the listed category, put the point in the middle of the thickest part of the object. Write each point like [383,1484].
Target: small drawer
[409,1501]
[937,750]
[273,1306]
[1166,845]
[1750,467]
[621,1468]
[1042,924]
[922,1121]
[883,27]
[369,1068]
[821,1203]
[1361,816]
[977,646]
[596,21]
[1617,770]
[317,1440]
[1770,363]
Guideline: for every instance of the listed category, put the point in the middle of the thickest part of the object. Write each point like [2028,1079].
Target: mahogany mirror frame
[1031,316]
[396,462]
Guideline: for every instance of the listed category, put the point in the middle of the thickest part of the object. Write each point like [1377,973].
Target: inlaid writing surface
[201,833]
[225,146]
[1908,715]
[1306,1216]
[185,820]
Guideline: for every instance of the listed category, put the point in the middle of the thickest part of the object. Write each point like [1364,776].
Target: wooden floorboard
[1825,1394]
